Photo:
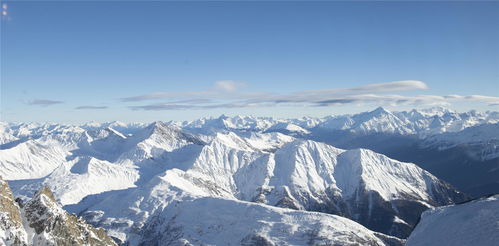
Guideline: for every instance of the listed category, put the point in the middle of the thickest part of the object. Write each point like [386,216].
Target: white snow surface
[474,223]
[214,221]
[482,140]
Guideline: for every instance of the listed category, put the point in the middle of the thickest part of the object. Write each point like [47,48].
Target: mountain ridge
[153,167]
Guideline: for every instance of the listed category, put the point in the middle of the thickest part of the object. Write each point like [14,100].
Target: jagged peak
[44,191]
[222,118]
[158,133]
[156,124]
[370,115]
[416,112]
[54,226]
[159,127]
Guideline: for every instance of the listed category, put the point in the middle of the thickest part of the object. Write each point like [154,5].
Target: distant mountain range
[258,181]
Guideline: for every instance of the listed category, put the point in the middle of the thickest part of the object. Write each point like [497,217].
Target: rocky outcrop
[11,225]
[41,221]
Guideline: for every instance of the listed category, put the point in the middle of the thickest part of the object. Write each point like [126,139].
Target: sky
[132,61]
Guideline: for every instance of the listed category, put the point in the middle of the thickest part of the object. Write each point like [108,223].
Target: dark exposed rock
[396,217]
[11,226]
[50,223]
[255,239]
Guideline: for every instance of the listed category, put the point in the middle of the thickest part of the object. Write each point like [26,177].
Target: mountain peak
[223,117]
[159,127]
[437,110]
[380,110]
[54,226]
[156,124]
[45,191]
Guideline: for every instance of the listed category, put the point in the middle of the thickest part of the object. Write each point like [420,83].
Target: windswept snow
[474,223]
[214,221]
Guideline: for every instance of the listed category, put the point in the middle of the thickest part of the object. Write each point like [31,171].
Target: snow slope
[482,141]
[214,221]
[474,223]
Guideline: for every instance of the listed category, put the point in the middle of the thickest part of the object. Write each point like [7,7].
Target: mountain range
[254,180]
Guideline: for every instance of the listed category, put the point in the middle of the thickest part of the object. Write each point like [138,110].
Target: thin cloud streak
[389,100]
[91,107]
[405,85]
[367,94]
[44,102]
[163,95]
[166,106]
[340,94]
[229,89]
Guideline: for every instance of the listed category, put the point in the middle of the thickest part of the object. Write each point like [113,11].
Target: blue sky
[143,61]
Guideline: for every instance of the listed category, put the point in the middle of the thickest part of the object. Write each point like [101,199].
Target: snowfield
[471,223]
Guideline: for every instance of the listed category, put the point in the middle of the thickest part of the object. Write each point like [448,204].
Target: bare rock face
[11,226]
[45,222]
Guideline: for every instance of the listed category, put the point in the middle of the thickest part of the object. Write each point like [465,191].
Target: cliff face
[41,221]
[12,231]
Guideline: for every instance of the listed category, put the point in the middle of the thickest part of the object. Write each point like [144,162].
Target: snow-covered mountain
[161,165]
[214,221]
[468,224]
[432,124]
[41,221]
[482,141]
[423,123]
[144,180]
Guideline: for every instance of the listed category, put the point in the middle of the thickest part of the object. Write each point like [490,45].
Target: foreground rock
[41,221]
